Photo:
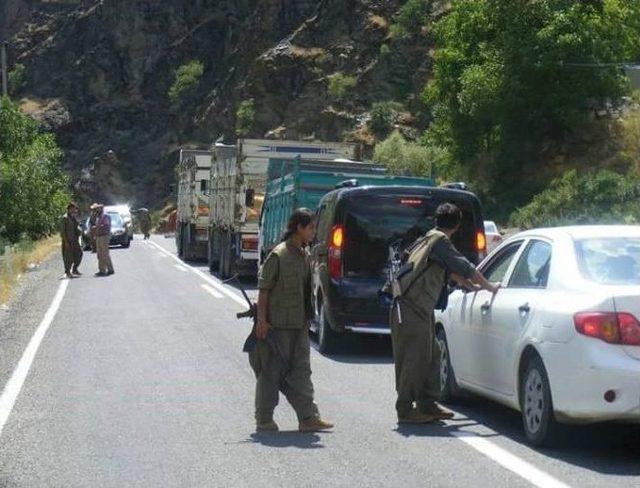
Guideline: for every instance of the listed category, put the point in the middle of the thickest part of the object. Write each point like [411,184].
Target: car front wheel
[536,405]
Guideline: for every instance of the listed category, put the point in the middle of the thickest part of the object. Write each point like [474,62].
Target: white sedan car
[561,340]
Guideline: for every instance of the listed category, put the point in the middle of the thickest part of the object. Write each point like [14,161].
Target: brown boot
[270,426]
[438,413]
[415,417]
[314,424]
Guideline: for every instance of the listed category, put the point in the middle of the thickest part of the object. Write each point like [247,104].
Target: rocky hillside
[98,73]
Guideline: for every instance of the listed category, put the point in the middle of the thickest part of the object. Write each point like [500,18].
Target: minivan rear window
[373,222]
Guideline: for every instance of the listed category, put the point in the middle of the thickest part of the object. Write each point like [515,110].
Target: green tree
[33,188]
[186,82]
[17,78]
[402,157]
[411,17]
[510,74]
[245,117]
[382,116]
[340,85]
[602,197]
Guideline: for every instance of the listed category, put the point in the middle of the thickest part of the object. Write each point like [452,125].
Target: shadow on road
[610,449]
[291,438]
[438,429]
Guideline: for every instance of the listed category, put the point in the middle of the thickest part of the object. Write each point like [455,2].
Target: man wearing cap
[71,250]
[102,229]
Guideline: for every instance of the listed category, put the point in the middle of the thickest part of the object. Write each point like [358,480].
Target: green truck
[298,183]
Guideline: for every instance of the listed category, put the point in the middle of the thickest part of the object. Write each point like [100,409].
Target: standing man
[71,250]
[145,222]
[103,235]
[415,349]
[281,357]
[92,226]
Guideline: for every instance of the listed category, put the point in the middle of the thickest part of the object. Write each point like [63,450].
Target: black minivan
[356,226]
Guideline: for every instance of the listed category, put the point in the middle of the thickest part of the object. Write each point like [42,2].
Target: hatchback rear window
[610,260]
[374,222]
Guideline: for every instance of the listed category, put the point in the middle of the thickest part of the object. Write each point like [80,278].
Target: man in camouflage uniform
[415,349]
[281,359]
[71,249]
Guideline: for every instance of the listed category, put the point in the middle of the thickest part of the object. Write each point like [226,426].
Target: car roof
[578,232]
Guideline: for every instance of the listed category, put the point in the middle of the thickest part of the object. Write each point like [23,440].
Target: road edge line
[510,461]
[14,386]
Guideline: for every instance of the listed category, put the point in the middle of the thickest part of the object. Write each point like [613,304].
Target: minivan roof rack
[352,183]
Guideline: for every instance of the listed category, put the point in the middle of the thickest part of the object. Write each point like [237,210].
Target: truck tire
[179,240]
[328,339]
[225,252]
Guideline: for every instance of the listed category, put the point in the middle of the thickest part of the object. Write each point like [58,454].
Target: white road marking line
[14,385]
[212,291]
[510,461]
[215,284]
[181,268]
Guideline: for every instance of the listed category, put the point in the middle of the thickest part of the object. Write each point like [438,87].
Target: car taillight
[614,328]
[336,241]
[481,244]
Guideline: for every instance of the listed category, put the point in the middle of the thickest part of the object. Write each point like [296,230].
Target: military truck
[237,189]
[192,220]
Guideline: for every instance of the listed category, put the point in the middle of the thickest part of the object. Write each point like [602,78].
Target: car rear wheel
[536,405]
[448,385]
[126,243]
[328,339]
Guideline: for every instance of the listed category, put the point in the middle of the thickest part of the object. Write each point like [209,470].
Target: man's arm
[445,252]
[263,326]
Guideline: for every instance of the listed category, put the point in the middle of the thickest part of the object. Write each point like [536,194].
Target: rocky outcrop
[98,73]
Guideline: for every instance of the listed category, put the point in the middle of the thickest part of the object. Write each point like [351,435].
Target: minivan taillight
[336,241]
[481,244]
[614,328]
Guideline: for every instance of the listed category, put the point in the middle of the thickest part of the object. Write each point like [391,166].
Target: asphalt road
[140,381]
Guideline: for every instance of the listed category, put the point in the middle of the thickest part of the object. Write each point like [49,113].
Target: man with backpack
[420,287]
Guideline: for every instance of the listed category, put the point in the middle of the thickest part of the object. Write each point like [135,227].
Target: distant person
[416,352]
[281,359]
[92,224]
[145,222]
[103,235]
[71,249]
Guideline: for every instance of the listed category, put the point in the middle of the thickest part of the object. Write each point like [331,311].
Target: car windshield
[116,220]
[374,222]
[610,260]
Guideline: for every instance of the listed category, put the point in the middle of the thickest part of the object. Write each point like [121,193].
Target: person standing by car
[71,250]
[103,235]
[281,359]
[432,259]
[92,225]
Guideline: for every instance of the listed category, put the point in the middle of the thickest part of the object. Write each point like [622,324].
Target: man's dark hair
[71,205]
[448,216]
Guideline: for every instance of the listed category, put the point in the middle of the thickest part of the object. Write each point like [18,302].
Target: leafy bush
[512,75]
[402,157]
[600,197]
[411,17]
[382,117]
[245,117]
[17,78]
[33,188]
[339,85]
[186,81]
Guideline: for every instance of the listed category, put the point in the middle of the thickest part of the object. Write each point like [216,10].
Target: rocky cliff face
[98,73]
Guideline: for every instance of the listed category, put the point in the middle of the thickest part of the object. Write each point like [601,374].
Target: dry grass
[14,265]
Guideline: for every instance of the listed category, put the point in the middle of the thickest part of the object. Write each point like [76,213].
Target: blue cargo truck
[298,183]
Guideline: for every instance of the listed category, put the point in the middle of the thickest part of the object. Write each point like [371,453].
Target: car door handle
[485,307]
[524,308]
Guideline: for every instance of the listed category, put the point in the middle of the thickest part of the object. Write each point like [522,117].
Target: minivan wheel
[328,339]
[536,405]
[448,385]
